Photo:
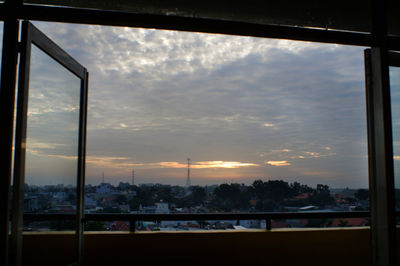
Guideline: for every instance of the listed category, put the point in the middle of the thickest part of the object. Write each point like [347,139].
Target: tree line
[271,195]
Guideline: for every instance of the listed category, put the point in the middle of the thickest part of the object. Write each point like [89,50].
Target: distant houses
[164,199]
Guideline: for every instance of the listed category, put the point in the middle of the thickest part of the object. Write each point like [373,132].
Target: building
[162,207]
[90,202]
[31,204]
[103,188]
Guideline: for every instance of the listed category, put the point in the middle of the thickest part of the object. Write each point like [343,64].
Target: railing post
[59,224]
[132,226]
[268,225]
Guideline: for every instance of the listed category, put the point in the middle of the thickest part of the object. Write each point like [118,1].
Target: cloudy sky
[241,108]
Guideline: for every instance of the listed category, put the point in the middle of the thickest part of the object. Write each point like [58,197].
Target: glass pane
[249,112]
[1,39]
[395,95]
[52,140]
[394,73]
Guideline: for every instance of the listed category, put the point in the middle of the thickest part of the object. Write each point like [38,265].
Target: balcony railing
[132,218]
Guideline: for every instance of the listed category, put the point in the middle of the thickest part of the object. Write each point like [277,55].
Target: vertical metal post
[188,182]
[7,106]
[20,149]
[380,151]
[132,226]
[59,225]
[268,225]
[380,142]
[80,187]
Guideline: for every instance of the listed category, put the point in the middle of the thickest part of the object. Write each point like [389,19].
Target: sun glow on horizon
[207,164]
[114,162]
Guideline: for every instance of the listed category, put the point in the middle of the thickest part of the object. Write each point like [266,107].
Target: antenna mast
[133,177]
[188,182]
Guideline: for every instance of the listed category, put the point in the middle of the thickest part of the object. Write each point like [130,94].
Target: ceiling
[345,15]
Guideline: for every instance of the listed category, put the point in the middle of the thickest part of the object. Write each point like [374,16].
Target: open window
[394,78]
[383,109]
[50,131]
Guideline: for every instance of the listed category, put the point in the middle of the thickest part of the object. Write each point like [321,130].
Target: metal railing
[132,218]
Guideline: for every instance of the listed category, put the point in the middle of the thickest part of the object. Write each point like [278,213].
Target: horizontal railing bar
[32,217]
[223,216]
[197,216]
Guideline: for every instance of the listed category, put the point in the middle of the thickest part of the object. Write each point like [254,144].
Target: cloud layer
[241,105]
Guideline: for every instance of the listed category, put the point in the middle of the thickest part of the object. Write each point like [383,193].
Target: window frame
[30,35]
[12,11]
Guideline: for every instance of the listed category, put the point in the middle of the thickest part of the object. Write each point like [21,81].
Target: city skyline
[240,107]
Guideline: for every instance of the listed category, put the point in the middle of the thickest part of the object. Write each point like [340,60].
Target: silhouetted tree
[276,190]
[266,205]
[321,196]
[298,189]
[121,199]
[230,197]
[362,194]
[198,195]
[134,203]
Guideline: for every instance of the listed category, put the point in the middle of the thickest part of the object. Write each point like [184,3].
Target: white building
[162,207]
[103,188]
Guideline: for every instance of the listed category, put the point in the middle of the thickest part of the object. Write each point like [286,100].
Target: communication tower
[188,182]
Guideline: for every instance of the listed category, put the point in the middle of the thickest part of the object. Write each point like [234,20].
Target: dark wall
[302,247]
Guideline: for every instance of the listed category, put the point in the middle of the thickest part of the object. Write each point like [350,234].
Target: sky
[240,108]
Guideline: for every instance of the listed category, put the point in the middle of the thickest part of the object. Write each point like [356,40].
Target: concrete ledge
[344,246]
